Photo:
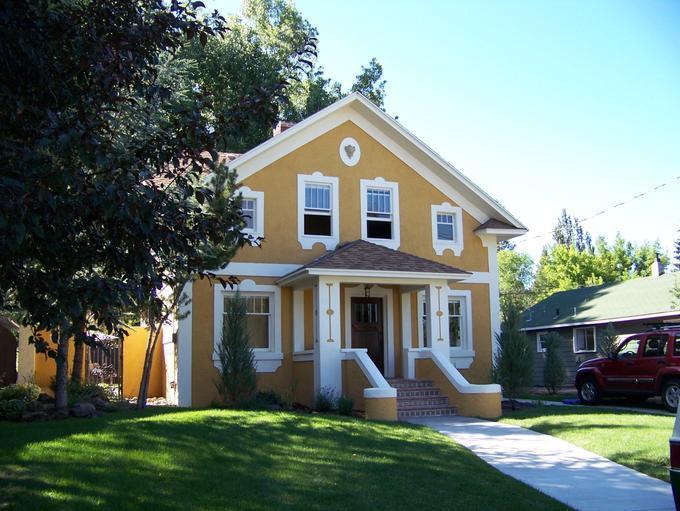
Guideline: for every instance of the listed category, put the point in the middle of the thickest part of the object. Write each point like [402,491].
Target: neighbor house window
[540,342]
[447,228]
[380,212]
[584,340]
[252,209]
[318,211]
[258,319]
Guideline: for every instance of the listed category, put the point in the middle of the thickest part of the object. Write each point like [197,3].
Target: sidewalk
[574,476]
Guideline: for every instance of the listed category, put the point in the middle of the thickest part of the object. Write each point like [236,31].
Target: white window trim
[307,241]
[463,356]
[379,182]
[539,349]
[455,245]
[267,360]
[258,197]
[594,339]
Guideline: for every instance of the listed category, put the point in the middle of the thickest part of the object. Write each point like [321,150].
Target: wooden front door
[367,329]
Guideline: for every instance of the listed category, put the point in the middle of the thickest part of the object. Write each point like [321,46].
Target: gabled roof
[640,298]
[361,257]
[403,144]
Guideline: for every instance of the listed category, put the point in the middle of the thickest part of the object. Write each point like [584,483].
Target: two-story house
[376,278]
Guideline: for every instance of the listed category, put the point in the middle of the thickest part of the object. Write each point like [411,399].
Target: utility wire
[605,210]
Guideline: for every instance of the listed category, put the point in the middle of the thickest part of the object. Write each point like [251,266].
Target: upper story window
[447,228]
[380,212]
[252,207]
[584,340]
[318,211]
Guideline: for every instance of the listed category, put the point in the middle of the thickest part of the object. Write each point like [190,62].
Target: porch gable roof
[361,257]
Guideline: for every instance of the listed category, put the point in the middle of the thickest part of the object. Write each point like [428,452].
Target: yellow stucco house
[377,277]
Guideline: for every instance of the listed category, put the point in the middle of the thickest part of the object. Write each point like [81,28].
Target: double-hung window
[252,209]
[258,320]
[249,209]
[584,340]
[458,322]
[318,211]
[447,228]
[380,212]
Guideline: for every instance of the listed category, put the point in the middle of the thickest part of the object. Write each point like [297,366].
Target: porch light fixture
[367,291]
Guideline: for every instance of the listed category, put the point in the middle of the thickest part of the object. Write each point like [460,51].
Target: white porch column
[406,320]
[298,320]
[26,356]
[327,357]
[436,297]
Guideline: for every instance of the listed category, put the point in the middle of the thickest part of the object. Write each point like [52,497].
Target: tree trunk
[154,334]
[78,355]
[61,378]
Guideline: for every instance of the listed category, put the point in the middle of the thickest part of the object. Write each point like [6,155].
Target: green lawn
[221,459]
[637,440]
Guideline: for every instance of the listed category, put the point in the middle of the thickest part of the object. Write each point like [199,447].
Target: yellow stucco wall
[134,349]
[381,409]
[353,383]
[278,181]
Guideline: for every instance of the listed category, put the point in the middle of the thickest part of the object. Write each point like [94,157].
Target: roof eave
[304,273]
[503,234]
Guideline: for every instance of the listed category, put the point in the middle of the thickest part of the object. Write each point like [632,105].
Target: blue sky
[544,104]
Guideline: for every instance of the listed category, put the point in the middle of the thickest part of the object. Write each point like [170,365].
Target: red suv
[643,365]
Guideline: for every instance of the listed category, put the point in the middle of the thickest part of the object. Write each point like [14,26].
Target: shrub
[268,398]
[513,363]
[345,405]
[607,341]
[237,382]
[83,392]
[25,392]
[554,373]
[12,409]
[325,400]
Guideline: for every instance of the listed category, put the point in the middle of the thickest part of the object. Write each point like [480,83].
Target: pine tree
[237,381]
[554,373]
[676,254]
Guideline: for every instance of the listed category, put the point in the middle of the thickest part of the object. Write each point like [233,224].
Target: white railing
[448,370]
[379,388]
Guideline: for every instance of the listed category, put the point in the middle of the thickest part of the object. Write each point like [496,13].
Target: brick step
[431,411]
[423,392]
[421,402]
[409,384]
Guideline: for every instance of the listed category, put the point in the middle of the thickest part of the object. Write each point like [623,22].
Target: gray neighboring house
[580,315]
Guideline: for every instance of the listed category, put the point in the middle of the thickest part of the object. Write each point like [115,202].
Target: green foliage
[345,405]
[554,372]
[326,400]
[570,233]
[607,341]
[513,363]
[676,254]
[515,277]
[267,398]
[82,392]
[370,83]
[25,392]
[237,376]
[12,409]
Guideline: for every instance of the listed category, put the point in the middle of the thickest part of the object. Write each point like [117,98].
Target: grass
[225,459]
[636,440]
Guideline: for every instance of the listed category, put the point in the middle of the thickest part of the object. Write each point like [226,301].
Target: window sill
[308,241]
[391,243]
[303,356]
[585,351]
[265,361]
[442,246]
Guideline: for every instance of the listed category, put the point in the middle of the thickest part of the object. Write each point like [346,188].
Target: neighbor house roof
[359,110]
[640,298]
[360,256]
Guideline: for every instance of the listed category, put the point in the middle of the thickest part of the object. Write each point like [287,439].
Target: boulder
[99,403]
[45,398]
[83,410]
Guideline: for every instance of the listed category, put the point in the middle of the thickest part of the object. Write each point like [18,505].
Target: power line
[605,210]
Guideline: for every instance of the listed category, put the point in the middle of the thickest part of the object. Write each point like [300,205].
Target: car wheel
[670,394]
[589,392]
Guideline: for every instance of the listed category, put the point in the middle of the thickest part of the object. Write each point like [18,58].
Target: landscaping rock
[45,398]
[61,414]
[99,403]
[35,416]
[83,410]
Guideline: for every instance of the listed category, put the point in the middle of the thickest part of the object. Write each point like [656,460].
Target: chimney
[282,126]
[657,268]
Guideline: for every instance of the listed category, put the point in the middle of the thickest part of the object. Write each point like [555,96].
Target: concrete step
[431,411]
[400,383]
[404,403]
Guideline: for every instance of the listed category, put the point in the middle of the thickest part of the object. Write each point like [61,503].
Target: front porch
[360,319]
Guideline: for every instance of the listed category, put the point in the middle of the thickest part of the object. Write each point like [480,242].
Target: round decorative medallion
[350,152]
[440,314]
[330,312]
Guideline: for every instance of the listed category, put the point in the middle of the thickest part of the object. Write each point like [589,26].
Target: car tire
[670,394]
[588,392]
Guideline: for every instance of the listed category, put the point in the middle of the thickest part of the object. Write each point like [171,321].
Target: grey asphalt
[579,478]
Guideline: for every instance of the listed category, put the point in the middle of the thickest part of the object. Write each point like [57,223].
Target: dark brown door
[367,328]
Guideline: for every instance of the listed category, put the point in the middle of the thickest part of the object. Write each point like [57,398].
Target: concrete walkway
[574,476]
